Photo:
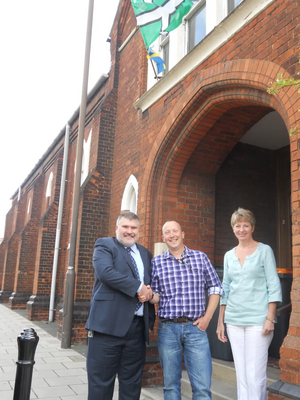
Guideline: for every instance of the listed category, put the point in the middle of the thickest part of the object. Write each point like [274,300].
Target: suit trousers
[110,356]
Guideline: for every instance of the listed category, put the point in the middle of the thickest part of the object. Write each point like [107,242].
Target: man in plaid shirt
[180,278]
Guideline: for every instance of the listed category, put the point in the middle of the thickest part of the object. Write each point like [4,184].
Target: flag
[157,16]
[159,61]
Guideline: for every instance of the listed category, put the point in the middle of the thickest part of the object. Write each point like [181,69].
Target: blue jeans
[172,339]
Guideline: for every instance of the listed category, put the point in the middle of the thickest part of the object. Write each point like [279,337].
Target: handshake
[145,294]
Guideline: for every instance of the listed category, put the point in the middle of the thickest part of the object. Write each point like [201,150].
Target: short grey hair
[243,215]
[128,215]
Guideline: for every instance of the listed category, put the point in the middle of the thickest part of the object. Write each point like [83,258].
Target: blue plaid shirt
[181,284]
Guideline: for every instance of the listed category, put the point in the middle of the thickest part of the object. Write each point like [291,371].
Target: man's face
[127,232]
[173,236]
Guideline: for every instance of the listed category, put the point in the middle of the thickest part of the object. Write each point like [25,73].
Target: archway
[180,178]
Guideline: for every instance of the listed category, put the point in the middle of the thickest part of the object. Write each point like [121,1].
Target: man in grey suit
[118,324]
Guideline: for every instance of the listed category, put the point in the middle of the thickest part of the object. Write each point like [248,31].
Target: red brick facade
[186,155]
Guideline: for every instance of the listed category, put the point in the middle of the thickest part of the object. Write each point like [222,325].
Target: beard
[127,240]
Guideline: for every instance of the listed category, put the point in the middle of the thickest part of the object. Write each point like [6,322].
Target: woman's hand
[268,327]
[221,332]
[220,327]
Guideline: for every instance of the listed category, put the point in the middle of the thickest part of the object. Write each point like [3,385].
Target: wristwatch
[152,295]
[271,320]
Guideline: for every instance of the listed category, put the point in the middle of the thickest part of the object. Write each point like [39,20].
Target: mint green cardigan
[250,288]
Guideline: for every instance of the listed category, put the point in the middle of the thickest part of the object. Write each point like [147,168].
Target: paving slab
[58,374]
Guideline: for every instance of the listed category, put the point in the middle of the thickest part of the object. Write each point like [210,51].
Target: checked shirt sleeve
[154,278]
[213,283]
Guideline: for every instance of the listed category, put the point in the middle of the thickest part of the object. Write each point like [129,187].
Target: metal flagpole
[156,76]
[70,275]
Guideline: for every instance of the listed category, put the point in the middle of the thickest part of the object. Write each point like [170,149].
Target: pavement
[58,374]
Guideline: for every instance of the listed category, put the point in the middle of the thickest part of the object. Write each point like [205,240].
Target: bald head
[171,222]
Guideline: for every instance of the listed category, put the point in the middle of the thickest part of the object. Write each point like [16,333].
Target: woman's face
[243,230]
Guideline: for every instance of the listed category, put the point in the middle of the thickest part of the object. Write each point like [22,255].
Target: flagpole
[70,275]
[156,76]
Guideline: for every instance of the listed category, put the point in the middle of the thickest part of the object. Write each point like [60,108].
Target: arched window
[49,185]
[28,207]
[86,158]
[130,195]
[49,189]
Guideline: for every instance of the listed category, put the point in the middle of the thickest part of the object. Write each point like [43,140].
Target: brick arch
[212,92]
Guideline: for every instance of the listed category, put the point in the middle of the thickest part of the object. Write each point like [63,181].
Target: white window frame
[130,195]
[186,19]
[164,40]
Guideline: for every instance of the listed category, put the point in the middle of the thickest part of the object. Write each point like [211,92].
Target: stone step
[220,390]
[156,393]
[225,371]
[223,383]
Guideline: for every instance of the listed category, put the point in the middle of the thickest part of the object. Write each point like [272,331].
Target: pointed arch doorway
[256,175]
[215,112]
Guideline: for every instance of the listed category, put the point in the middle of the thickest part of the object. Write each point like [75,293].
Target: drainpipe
[59,219]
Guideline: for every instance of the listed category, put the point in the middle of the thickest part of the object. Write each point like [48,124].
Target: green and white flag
[157,16]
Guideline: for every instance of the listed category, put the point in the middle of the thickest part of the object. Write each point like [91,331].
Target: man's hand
[145,294]
[202,323]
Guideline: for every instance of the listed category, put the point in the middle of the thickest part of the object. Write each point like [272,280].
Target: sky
[42,46]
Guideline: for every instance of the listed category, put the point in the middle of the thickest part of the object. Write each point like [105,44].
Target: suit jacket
[114,295]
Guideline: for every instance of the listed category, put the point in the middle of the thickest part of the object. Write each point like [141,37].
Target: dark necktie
[139,304]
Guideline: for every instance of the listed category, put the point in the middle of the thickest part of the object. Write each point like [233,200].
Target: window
[19,193]
[197,27]
[29,206]
[86,158]
[165,51]
[232,4]
[130,195]
[49,189]
[49,185]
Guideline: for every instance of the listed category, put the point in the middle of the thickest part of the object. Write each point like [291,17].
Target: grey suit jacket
[114,295]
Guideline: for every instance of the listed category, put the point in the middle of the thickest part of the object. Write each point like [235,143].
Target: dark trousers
[108,356]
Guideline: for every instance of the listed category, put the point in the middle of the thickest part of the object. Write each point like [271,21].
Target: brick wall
[23,284]
[166,136]
[43,247]
[11,249]
[95,196]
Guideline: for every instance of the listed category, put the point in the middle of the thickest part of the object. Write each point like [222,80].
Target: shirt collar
[185,253]
[133,248]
